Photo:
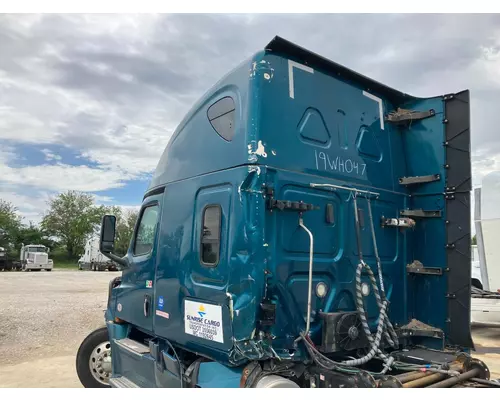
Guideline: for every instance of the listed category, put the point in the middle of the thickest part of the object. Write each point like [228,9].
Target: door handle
[147,302]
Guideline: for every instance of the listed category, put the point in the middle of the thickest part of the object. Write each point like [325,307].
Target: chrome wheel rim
[100,363]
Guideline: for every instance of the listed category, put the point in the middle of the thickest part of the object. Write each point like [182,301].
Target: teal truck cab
[306,226]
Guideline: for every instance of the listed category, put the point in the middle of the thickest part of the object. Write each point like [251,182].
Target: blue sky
[89,102]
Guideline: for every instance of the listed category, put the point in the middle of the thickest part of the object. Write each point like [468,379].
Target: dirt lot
[45,315]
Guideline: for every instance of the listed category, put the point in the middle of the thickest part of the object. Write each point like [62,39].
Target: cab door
[135,296]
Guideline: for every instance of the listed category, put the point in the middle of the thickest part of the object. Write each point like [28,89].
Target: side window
[210,237]
[221,115]
[145,235]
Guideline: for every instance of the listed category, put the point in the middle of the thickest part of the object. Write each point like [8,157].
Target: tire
[85,351]
[477,284]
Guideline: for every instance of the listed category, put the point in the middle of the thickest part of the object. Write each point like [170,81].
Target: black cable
[181,370]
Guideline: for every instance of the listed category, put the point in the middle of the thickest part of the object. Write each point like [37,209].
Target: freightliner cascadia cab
[306,226]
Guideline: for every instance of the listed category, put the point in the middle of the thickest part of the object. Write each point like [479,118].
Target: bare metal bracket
[413,180]
[416,267]
[401,116]
[397,222]
[421,213]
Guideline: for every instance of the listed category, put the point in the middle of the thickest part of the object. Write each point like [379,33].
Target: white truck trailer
[485,304]
[92,259]
[35,257]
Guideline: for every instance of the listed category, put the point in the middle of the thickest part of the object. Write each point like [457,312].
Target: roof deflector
[286,48]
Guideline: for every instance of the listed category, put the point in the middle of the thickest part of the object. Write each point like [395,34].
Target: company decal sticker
[162,314]
[203,321]
[119,307]
[161,303]
[149,284]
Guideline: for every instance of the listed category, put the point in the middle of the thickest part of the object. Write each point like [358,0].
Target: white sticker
[149,284]
[119,307]
[203,320]
[162,314]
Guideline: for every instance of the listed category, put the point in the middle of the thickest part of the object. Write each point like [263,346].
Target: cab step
[122,383]
[132,346]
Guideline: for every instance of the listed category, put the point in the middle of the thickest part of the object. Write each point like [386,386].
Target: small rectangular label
[203,321]
[149,284]
[160,302]
[162,314]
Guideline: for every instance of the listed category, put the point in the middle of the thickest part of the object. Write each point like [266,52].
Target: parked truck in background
[4,262]
[35,257]
[92,259]
[485,303]
[306,227]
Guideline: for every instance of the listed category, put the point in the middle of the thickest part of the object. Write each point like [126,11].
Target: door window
[145,234]
[210,238]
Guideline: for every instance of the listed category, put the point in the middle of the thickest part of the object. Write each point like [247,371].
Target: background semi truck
[306,226]
[92,259]
[35,257]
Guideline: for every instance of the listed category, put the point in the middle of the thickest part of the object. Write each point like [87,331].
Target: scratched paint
[264,68]
[260,151]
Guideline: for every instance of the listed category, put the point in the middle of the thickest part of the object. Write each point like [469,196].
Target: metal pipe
[412,377]
[485,382]
[309,290]
[375,249]
[424,381]
[344,188]
[456,379]
[358,229]
[404,375]
[417,374]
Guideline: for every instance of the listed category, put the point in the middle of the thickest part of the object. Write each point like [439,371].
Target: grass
[65,264]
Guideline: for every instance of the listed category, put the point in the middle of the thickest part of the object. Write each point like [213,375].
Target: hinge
[412,180]
[402,116]
[416,267]
[451,295]
[421,213]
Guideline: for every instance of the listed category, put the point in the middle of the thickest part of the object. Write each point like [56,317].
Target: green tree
[73,218]
[474,240]
[10,223]
[124,230]
[33,234]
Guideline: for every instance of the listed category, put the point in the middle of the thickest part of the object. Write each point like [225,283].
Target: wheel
[93,360]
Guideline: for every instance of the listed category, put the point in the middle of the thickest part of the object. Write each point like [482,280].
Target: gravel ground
[48,314]
[44,316]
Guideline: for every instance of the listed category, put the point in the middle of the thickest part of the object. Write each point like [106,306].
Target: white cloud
[49,155]
[63,177]
[29,207]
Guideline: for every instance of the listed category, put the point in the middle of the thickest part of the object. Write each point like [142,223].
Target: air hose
[384,325]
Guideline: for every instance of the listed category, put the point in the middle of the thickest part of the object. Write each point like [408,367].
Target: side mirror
[108,227]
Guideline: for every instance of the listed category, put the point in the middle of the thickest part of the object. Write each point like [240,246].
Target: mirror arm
[114,257]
